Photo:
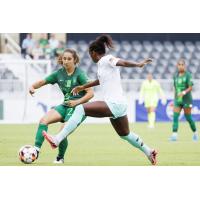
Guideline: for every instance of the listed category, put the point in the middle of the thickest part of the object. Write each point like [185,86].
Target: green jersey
[181,83]
[68,82]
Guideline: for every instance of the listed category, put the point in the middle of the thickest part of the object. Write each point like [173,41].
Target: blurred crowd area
[165,49]
[43,48]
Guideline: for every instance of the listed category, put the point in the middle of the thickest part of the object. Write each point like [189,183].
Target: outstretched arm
[125,63]
[37,85]
[77,89]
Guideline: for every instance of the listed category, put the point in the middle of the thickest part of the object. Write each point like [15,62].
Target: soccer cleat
[173,138]
[37,154]
[195,137]
[50,139]
[152,157]
[58,160]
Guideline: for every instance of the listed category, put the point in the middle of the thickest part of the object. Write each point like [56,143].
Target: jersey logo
[68,83]
[179,81]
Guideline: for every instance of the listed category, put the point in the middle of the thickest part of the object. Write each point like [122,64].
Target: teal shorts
[117,109]
[66,112]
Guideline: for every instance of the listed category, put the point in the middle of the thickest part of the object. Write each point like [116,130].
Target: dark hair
[100,44]
[74,54]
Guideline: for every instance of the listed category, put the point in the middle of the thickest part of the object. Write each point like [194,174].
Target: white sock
[175,134]
[72,124]
[37,148]
[137,142]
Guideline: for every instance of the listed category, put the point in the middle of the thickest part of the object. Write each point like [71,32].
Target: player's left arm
[126,63]
[189,83]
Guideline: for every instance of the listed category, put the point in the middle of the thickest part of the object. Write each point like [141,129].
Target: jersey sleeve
[52,78]
[189,80]
[113,61]
[83,78]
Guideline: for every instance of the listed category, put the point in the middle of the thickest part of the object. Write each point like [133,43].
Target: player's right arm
[80,88]
[37,85]
[51,79]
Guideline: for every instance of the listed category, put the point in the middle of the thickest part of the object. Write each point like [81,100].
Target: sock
[174,134]
[137,142]
[62,148]
[39,139]
[191,122]
[152,118]
[175,121]
[149,116]
[72,124]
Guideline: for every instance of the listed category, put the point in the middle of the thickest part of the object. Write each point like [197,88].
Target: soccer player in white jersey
[114,105]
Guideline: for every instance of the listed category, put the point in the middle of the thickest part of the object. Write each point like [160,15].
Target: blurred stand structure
[21,65]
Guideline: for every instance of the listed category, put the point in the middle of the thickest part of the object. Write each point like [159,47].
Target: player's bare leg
[121,126]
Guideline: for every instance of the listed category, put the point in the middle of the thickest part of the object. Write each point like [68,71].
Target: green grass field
[99,145]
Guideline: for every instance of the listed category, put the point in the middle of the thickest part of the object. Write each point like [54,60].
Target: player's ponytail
[100,44]
[74,54]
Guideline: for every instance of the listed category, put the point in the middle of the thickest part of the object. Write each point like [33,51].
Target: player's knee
[43,120]
[122,134]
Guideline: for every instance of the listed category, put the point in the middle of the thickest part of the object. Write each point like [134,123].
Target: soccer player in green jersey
[183,99]
[67,77]
[149,92]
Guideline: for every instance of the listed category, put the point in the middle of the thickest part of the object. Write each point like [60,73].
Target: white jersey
[110,80]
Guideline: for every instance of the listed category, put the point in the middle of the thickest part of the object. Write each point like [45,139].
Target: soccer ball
[27,154]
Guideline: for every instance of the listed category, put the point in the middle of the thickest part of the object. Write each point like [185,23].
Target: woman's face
[149,77]
[68,60]
[93,55]
[181,66]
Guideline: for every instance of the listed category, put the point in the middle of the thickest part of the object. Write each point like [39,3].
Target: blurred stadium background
[23,61]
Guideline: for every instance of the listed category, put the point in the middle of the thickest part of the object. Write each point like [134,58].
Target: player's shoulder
[155,82]
[80,71]
[188,73]
[60,70]
[107,58]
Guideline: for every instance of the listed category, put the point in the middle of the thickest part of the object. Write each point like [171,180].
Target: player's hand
[77,89]
[145,62]
[31,91]
[180,94]
[73,103]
